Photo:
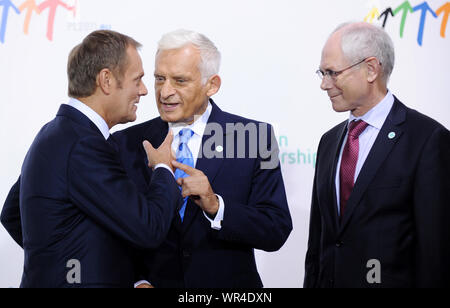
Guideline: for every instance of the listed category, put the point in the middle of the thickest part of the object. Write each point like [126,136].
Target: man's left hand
[197,187]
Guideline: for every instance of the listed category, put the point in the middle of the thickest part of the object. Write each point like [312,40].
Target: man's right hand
[161,155]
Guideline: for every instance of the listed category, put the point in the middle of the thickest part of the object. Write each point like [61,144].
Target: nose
[326,83]
[143,91]
[167,90]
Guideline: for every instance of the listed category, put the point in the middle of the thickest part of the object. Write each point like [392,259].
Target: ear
[105,81]
[214,84]
[373,69]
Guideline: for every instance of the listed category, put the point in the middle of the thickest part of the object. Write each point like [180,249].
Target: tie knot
[356,128]
[186,134]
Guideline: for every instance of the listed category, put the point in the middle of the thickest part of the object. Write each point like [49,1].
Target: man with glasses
[381,196]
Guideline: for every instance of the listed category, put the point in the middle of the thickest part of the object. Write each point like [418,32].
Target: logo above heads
[404,10]
[30,8]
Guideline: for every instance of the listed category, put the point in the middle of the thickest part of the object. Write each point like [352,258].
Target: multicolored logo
[406,9]
[30,8]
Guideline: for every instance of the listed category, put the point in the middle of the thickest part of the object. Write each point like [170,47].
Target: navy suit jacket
[77,203]
[256,210]
[398,212]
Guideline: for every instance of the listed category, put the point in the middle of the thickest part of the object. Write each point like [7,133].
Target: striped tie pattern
[348,163]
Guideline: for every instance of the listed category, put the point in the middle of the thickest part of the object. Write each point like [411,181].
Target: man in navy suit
[230,175]
[82,218]
[381,197]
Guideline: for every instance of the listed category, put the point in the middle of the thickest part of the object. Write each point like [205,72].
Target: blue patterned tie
[184,156]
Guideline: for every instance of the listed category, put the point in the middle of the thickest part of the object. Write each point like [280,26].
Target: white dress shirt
[375,118]
[194,144]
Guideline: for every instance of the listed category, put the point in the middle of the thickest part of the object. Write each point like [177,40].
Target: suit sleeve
[264,222]
[100,187]
[432,212]
[10,216]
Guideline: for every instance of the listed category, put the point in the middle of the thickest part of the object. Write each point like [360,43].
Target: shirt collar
[377,115]
[199,125]
[91,115]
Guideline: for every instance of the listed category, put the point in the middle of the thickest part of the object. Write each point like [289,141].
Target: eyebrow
[185,77]
[140,76]
[180,77]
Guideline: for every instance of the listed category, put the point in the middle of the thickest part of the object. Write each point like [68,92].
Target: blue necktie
[184,156]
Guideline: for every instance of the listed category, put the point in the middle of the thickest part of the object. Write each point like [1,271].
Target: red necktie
[349,160]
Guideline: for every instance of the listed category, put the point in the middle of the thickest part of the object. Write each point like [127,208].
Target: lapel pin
[392,135]
[219,148]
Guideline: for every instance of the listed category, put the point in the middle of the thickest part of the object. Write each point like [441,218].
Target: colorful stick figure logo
[30,7]
[52,5]
[7,5]
[405,9]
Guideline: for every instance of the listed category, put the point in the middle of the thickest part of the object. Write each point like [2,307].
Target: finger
[180,182]
[185,192]
[148,147]
[174,155]
[169,139]
[187,169]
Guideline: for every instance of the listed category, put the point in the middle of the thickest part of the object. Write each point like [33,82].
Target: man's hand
[162,155]
[197,187]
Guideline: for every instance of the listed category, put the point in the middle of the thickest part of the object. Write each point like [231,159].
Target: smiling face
[179,88]
[349,90]
[128,90]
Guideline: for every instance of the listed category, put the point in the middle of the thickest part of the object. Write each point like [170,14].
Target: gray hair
[363,40]
[210,55]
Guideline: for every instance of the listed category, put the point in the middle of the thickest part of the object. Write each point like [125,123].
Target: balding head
[362,40]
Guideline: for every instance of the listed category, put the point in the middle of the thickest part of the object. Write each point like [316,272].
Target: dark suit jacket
[77,203]
[256,210]
[398,212]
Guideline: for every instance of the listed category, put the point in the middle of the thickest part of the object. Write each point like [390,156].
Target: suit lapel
[157,133]
[332,180]
[209,166]
[382,147]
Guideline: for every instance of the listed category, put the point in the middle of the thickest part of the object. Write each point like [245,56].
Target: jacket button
[339,244]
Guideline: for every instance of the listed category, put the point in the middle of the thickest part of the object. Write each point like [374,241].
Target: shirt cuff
[164,166]
[216,224]
[141,282]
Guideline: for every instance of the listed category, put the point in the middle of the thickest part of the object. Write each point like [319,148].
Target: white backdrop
[270,48]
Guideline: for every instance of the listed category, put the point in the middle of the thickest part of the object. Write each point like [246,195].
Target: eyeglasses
[332,74]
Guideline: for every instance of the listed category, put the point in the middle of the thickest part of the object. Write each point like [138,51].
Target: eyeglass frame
[334,74]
